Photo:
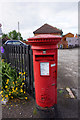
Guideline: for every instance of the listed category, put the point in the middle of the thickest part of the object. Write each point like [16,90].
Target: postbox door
[48,82]
[45,81]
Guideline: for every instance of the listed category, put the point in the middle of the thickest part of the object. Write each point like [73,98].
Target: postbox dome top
[44,39]
[46,36]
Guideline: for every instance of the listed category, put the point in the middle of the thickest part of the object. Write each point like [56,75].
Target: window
[10,42]
[16,43]
[69,40]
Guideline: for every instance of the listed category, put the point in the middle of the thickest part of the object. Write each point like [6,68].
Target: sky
[32,15]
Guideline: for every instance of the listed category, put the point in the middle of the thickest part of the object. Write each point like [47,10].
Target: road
[67,68]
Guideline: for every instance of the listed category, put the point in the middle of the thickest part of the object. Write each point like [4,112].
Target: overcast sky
[32,15]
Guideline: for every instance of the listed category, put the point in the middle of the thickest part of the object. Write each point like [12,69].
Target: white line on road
[70,93]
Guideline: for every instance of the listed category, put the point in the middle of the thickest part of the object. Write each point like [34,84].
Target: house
[63,43]
[73,42]
[48,29]
[77,35]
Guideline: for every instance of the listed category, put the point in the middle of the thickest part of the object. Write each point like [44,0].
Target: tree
[5,37]
[15,35]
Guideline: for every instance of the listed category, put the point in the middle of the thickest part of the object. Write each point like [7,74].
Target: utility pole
[18,31]
[18,27]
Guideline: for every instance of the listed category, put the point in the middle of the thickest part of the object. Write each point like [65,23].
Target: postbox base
[50,112]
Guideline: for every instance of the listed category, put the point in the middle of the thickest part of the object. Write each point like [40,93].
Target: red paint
[45,85]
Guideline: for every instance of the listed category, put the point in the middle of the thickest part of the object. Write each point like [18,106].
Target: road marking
[70,93]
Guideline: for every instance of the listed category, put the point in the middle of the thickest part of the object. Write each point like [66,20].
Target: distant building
[63,43]
[77,35]
[48,29]
[73,41]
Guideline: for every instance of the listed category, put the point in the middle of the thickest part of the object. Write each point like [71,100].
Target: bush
[12,83]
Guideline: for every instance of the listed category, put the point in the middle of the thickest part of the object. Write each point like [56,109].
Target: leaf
[60,91]
[7,75]
[34,111]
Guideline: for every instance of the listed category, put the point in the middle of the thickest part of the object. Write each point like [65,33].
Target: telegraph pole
[18,31]
[18,27]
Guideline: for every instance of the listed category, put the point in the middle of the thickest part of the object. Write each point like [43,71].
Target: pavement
[67,107]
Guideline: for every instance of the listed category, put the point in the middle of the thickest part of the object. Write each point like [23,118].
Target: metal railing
[21,58]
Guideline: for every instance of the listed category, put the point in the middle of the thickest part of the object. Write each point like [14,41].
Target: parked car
[14,42]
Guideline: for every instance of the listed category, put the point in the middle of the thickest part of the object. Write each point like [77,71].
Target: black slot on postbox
[44,57]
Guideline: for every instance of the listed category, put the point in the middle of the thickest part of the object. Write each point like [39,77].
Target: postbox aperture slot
[44,57]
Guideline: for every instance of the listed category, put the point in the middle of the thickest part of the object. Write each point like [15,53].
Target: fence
[20,57]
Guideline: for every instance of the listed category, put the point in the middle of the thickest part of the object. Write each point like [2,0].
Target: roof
[46,28]
[67,34]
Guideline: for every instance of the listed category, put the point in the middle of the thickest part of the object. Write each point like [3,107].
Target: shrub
[12,83]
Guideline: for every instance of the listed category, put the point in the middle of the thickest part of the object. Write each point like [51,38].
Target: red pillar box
[45,68]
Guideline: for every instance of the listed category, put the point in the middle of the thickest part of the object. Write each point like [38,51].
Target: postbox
[45,68]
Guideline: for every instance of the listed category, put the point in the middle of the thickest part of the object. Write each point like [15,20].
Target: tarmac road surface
[67,68]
